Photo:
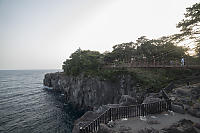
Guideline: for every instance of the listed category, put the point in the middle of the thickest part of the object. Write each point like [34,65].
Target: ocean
[26,107]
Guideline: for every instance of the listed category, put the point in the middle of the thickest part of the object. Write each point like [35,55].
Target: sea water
[26,107]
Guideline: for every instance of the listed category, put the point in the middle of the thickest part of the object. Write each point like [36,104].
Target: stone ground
[157,121]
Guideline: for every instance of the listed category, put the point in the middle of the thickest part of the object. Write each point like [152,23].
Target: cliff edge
[90,92]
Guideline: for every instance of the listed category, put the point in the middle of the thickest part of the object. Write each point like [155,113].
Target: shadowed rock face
[89,91]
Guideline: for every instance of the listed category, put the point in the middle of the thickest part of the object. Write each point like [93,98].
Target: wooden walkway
[146,65]
[126,112]
[115,113]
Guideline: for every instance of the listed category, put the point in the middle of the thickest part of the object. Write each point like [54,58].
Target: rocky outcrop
[126,100]
[177,109]
[91,92]
[151,99]
[195,110]
[186,100]
[105,129]
[182,126]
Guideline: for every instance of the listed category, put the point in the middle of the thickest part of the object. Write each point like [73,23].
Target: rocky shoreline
[97,95]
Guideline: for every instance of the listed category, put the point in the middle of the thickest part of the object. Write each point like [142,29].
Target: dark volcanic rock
[195,92]
[186,100]
[196,106]
[197,125]
[194,112]
[127,100]
[52,79]
[101,109]
[177,109]
[183,92]
[151,122]
[151,99]
[170,87]
[148,130]
[89,92]
[124,129]
[105,129]
[183,126]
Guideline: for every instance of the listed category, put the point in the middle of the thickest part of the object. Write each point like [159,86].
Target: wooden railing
[115,113]
[152,65]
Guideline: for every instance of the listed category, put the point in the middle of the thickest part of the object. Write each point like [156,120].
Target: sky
[42,34]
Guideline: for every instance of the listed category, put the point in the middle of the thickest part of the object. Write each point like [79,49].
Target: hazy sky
[41,34]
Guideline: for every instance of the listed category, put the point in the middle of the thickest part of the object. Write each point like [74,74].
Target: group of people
[171,62]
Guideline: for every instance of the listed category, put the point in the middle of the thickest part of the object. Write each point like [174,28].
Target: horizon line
[27,69]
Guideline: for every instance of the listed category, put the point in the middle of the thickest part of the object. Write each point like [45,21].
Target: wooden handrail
[152,65]
[115,113]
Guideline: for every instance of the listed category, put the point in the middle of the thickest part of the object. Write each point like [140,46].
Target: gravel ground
[157,121]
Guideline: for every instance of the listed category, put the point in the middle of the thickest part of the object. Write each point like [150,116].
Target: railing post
[142,109]
[104,118]
[159,106]
[110,114]
[113,113]
[81,130]
[136,111]
[169,104]
[117,113]
[120,113]
[87,130]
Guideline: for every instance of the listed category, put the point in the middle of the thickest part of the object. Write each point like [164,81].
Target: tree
[121,52]
[159,50]
[82,61]
[146,50]
[190,26]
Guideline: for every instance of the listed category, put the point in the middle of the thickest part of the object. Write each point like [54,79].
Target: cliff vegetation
[91,63]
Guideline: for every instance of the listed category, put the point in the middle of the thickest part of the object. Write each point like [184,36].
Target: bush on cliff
[82,61]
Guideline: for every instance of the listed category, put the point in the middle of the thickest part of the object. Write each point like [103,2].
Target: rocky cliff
[91,91]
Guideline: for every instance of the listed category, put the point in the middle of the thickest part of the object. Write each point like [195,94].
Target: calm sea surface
[25,107]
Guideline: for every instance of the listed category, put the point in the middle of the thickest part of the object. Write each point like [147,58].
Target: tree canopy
[82,61]
[190,26]
[143,48]
[86,61]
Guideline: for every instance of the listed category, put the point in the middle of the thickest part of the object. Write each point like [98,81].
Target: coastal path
[124,112]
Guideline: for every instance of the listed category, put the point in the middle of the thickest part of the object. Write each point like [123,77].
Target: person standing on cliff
[182,61]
